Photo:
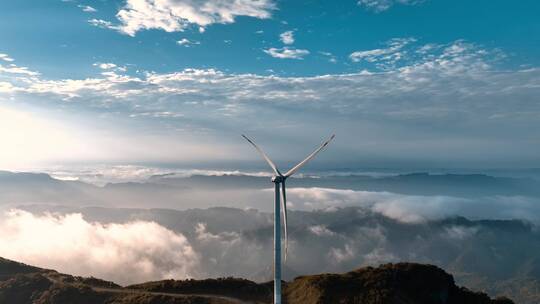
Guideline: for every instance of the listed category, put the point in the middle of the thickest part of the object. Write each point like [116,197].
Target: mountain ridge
[399,283]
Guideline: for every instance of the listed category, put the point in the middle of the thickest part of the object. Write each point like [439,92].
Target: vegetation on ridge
[400,283]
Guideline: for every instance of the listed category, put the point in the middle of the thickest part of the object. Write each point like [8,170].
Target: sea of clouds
[330,230]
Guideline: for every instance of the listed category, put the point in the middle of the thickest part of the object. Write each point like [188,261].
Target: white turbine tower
[279,179]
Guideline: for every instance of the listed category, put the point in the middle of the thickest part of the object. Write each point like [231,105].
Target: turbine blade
[284,207]
[268,160]
[312,155]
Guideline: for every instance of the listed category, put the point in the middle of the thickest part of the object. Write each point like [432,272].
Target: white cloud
[87,8]
[102,24]
[383,5]
[287,53]
[126,253]
[186,42]
[5,57]
[161,114]
[287,37]
[12,68]
[110,69]
[320,230]
[105,66]
[392,53]
[18,70]
[224,237]
[177,15]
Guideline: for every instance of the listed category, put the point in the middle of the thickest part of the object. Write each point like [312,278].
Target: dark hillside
[9,268]
[400,283]
[403,283]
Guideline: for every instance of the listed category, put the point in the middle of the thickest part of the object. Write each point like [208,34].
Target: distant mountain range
[200,191]
[401,283]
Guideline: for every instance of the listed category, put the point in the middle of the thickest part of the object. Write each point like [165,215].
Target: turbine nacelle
[278,179]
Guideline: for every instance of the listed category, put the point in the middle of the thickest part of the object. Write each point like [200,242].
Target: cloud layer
[406,96]
[104,174]
[416,208]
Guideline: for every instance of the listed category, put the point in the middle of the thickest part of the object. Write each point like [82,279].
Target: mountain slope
[9,268]
[23,284]
[401,283]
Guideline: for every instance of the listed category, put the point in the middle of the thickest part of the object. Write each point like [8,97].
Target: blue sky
[402,82]
[56,38]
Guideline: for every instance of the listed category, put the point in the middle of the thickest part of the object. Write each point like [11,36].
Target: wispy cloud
[102,24]
[87,8]
[5,57]
[287,53]
[11,68]
[383,5]
[187,43]
[392,53]
[329,56]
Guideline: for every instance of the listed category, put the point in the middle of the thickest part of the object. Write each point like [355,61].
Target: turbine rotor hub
[278,179]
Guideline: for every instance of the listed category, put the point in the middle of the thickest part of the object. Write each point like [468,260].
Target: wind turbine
[279,180]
